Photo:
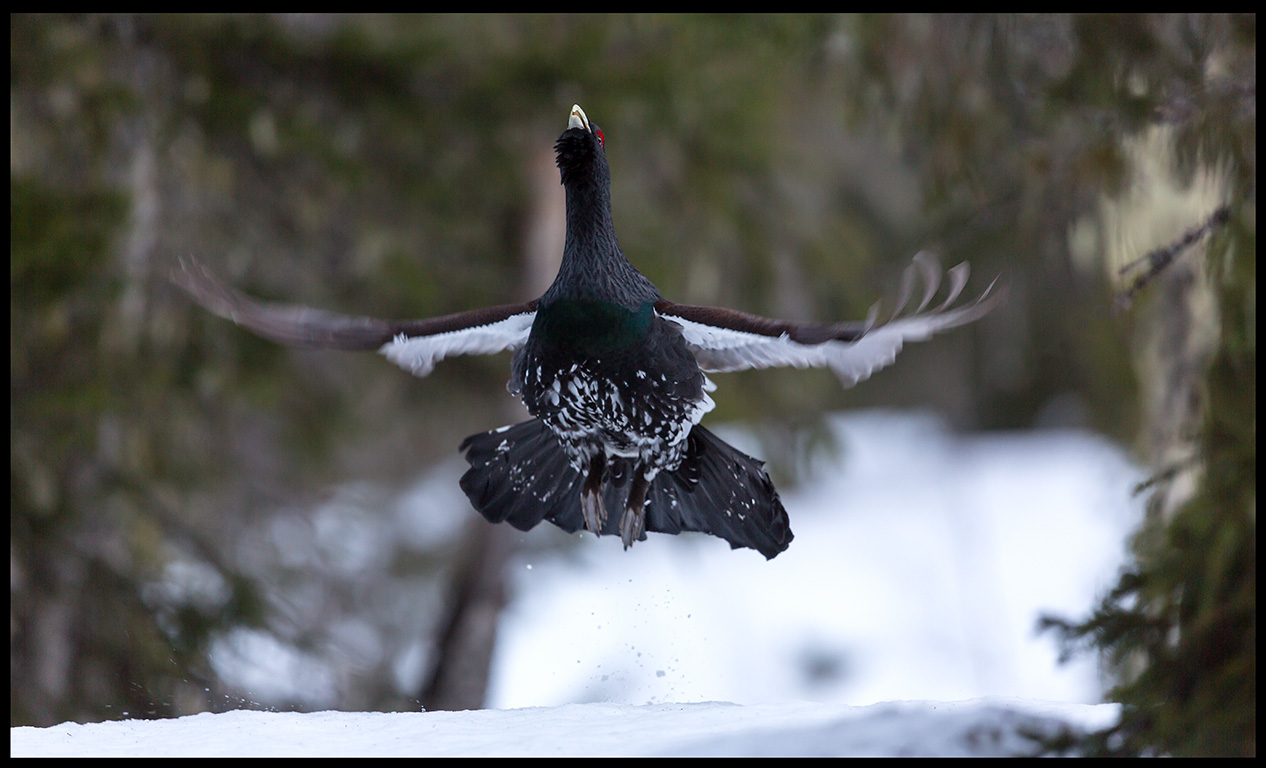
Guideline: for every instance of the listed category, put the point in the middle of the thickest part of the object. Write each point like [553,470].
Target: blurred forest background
[176,480]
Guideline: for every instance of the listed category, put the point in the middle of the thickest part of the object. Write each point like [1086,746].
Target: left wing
[726,340]
[415,345]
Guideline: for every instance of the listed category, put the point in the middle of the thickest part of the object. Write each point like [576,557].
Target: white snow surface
[983,727]
[901,621]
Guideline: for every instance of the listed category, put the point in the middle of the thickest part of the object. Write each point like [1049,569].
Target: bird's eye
[602,140]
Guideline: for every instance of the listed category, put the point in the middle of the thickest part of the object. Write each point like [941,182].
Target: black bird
[614,375]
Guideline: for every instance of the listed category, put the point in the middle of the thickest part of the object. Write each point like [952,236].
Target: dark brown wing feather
[413,344]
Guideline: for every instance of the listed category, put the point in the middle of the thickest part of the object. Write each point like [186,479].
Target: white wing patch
[720,349]
[725,349]
[419,354]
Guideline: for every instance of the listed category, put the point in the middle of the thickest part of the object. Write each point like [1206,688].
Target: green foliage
[1188,612]
[59,241]
[1180,627]
[83,523]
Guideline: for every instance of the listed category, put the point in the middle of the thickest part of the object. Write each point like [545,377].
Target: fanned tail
[520,475]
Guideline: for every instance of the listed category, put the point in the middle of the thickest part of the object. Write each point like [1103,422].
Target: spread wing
[415,345]
[726,340]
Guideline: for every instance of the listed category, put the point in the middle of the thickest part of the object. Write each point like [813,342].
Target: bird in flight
[614,376]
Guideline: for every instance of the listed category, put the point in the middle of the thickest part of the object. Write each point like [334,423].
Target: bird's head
[581,155]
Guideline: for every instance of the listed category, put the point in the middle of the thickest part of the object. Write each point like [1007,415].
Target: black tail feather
[722,491]
[521,475]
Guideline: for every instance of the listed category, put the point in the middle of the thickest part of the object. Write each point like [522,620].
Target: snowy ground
[982,728]
[921,563]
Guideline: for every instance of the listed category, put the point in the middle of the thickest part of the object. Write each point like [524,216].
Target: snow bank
[987,727]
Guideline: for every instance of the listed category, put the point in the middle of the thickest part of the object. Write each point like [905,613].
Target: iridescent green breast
[593,327]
